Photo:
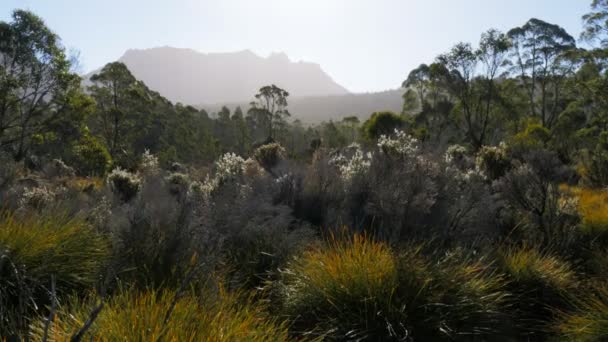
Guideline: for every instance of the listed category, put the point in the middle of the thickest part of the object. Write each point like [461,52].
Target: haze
[363,45]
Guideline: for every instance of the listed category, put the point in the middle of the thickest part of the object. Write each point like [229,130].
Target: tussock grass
[589,320]
[357,288]
[141,316]
[35,248]
[540,282]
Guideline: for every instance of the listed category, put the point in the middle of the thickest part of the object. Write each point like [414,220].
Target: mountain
[191,77]
[315,109]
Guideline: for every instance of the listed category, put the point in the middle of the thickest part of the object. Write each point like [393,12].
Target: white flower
[400,143]
[229,165]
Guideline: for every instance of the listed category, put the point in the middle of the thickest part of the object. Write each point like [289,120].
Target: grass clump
[142,316]
[36,248]
[589,320]
[540,282]
[356,288]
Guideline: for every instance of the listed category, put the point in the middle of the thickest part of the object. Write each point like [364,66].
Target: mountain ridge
[190,77]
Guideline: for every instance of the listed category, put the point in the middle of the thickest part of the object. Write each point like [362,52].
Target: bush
[382,123]
[133,316]
[90,157]
[124,184]
[357,289]
[493,161]
[37,198]
[269,155]
[36,248]
[179,183]
[595,171]
[57,168]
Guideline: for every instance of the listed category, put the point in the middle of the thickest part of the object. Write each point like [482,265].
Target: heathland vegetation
[478,213]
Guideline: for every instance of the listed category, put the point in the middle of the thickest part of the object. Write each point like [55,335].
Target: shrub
[592,206]
[57,168]
[90,157]
[455,154]
[595,171]
[133,316]
[493,161]
[37,198]
[269,155]
[382,123]
[540,283]
[124,184]
[178,183]
[34,249]
[148,164]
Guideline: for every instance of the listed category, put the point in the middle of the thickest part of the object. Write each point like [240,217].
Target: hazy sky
[365,45]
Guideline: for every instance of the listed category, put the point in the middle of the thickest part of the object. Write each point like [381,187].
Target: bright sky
[365,45]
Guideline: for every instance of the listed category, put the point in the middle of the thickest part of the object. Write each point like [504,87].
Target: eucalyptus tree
[539,50]
[596,23]
[119,97]
[271,106]
[35,81]
[419,79]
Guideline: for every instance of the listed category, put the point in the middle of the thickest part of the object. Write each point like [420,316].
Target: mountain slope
[191,77]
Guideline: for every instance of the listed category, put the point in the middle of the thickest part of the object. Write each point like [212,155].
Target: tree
[473,91]
[240,126]
[117,94]
[272,105]
[35,80]
[352,124]
[382,123]
[538,50]
[419,79]
[596,23]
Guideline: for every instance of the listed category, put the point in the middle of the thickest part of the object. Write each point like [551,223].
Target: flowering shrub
[400,143]
[124,183]
[57,168]
[229,166]
[178,182]
[37,198]
[358,164]
[493,161]
[149,163]
[455,154]
[269,155]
